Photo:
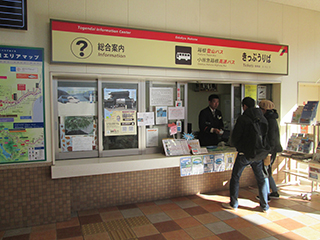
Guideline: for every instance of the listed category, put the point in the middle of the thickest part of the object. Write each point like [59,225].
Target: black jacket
[241,135]
[273,132]
[206,122]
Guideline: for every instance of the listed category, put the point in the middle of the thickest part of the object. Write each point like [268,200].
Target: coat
[206,122]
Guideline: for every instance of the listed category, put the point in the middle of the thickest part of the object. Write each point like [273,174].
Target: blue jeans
[240,163]
[272,183]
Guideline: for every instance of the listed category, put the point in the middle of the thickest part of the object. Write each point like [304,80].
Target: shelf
[297,173]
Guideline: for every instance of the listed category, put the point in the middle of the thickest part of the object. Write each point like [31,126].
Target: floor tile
[98,236]
[180,199]
[273,228]
[153,237]
[145,230]
[133,212]
[219,227]
[17,232]
[69,232]
[42,228]
[288,212]
[147,210]
[289,235]
[158,217]
[238,223]
[187,222]
[186,204]
[224,215]
[71,223]
[107,209]
[109,216]
[93,228]
[289,224]
[212,207]
[206,218]
[307,232]
[137,221]
[177,214]
[253,232]
[198,232]
[168,206]
[213,237]
[18,237]
[122,234]
[256,219]
[167,226]
[306,220]
[232,235]
[195,210]
[90,219]
[88,212]
[128,206]
[116,224]
[161,202]
[176,235]
[44,235]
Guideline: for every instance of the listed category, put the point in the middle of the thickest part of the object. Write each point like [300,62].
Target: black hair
[249,102]
[213,96]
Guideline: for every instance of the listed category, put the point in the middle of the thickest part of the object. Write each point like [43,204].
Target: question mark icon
[85,44]
[85,48]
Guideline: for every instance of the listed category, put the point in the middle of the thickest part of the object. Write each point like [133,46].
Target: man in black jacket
[210,123]
[243,142]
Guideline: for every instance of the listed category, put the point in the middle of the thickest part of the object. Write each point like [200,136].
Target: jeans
[272,183]
[240,163]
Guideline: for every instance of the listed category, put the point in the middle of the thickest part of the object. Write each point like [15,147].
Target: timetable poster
[22,131]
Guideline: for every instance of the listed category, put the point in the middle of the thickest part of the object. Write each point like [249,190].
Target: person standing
[241,138]
[210,123]
[270,113]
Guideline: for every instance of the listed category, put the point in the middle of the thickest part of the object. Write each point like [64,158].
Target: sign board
[22,128]
[97,44]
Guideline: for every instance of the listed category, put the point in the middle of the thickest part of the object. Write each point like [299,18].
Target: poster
[152,137]
[251,91]
[22,137]
[176,113]
[120,115]
[145,118]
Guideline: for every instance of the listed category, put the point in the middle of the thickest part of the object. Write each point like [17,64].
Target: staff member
[210,123]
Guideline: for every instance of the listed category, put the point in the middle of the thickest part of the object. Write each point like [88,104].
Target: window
[98,118]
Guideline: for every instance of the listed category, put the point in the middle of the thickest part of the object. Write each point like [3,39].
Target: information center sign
[96,44]
[22,132]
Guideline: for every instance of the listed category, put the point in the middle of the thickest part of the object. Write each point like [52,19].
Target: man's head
[248,102]
[213,101]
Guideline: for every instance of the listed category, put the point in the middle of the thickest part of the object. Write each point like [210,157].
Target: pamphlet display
[175,147]
[218,163]
[300,142]
[197,165]
[309,112]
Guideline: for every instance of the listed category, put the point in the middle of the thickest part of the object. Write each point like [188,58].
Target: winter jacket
[241,137]
[273,132]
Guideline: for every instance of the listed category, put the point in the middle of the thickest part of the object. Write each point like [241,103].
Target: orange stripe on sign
[20,130]
[27,76]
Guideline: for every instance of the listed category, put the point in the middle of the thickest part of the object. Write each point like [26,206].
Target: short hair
[249,102]
[213,96]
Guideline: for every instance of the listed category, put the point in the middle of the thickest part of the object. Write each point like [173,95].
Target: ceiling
[308,4]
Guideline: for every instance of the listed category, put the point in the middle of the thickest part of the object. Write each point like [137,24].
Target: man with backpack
[249,136]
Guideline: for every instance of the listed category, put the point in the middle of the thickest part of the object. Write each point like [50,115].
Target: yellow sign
[95,44]
[251,91]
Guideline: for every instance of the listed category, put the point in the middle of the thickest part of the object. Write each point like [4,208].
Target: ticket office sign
[96,44]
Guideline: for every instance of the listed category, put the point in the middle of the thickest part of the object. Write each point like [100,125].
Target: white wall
[253,20]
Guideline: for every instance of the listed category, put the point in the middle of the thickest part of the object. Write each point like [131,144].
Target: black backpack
[259,147]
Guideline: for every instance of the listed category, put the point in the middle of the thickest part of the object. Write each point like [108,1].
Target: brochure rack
[297,157]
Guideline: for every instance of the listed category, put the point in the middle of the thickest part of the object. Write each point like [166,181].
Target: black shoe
[258,198]
[274,195]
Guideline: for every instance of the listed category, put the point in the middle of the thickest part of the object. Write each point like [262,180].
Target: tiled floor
[192,217]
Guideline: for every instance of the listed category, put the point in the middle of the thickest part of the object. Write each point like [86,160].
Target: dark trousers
[240,163]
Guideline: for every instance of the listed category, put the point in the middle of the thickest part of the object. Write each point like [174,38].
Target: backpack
[259,147]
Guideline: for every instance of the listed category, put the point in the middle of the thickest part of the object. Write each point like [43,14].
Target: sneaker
[266,210]
[258,198]
[274,195]
[227,206]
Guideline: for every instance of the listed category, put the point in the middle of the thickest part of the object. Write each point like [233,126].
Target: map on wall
[22,132]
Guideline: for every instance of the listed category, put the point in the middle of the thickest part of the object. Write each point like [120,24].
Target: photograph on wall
[161,115]
[78,133]
[161,96]
[22,105]
[75,101]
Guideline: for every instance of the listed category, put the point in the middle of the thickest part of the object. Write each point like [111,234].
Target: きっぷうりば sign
[74,42]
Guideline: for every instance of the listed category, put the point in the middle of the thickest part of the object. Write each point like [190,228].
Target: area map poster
[22,132]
